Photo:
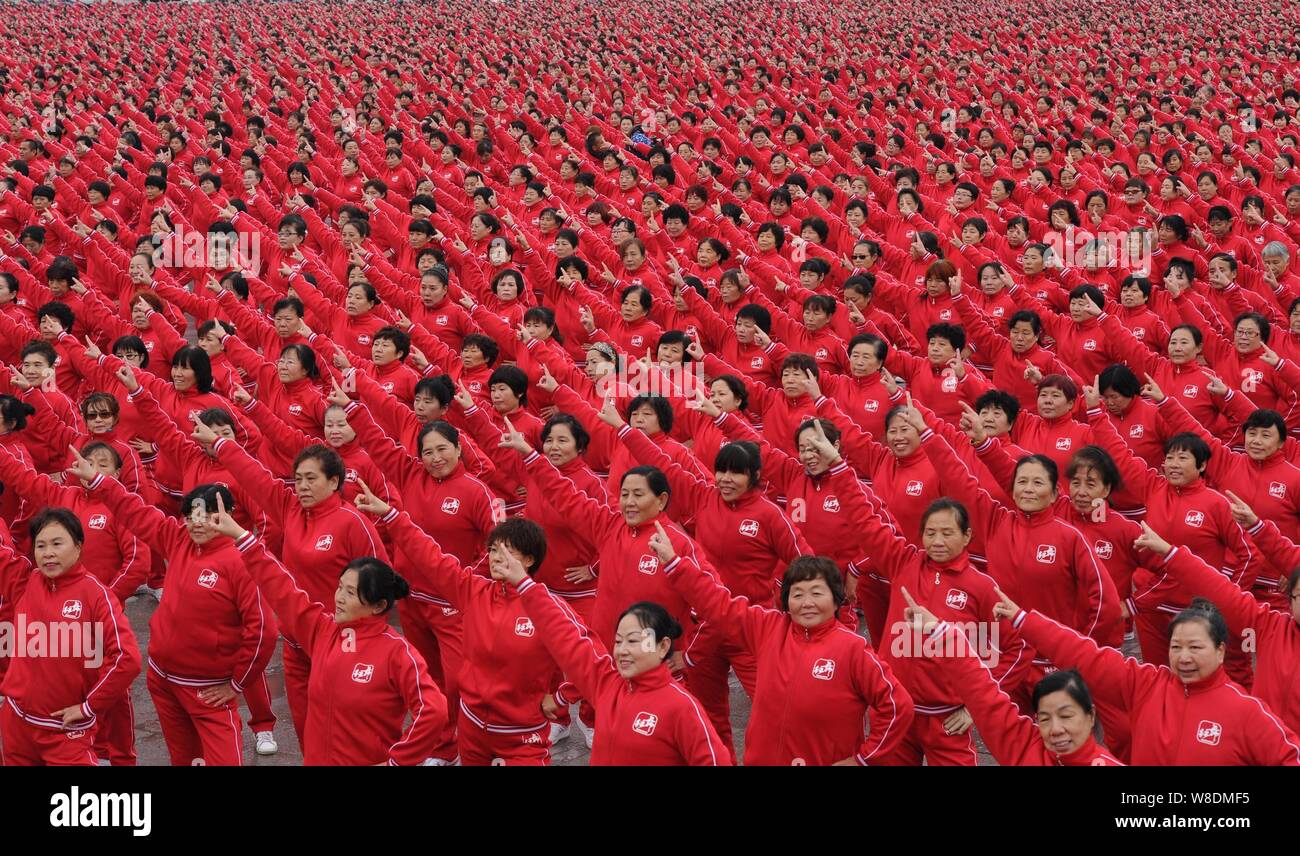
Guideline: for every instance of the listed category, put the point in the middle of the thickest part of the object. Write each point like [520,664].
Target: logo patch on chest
[363,672]
[645,723]
[1209,733]
[324,542]
[956,599]
[823,669]
[523,626]
[208,578]
[71,609]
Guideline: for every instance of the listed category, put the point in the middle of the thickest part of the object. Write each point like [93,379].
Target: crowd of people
[521,373]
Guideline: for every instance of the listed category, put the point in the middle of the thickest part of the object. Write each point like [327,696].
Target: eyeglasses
[857,256]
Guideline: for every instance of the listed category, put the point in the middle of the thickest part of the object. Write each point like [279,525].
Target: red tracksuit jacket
[214,626]
[1212,723]
[37,686]
[1036,557]
[629,571]
[952,590]
[815,687]
[318,542]
[506,669]
[649,720]
[365,678]
[749,541]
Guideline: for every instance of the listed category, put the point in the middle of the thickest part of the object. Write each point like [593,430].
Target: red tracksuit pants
[439,637]
[25,745]
[585,607]
[707,680]
[482,748]
[257,698]
[115,734]
[926,740]
[297,671]
[196,733]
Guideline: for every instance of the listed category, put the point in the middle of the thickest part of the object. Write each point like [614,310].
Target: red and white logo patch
[71,609]
[914,488]
[1190,391]
[324,542]
[363,672]
[756,363]
[831,504]
[820,354]
[1046,554]
[956,599]
[441,320]
[1137,431]
[208,578]
[871,405]
[523,626]
[1090,344]
[823,669]
[1195,518]
[644,723]
[647,564]
[1063,444]
[97,521]
[749,528]
[1277,490]
[450,505]
[948,384]
[638,341]
[1104,549]
[1209,733]
[364,339]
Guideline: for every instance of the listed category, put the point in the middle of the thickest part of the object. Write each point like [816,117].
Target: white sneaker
[436,762]
[266,744]
[104,762]
[558,732]
[588,733]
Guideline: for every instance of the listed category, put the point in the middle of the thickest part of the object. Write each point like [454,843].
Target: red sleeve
[1109,674]
[889,702]
[257,639]
[300,617]
[136,517]
[425,702]
[583,659]
[428,564]
[270,494]
[121,656]
[1012,739]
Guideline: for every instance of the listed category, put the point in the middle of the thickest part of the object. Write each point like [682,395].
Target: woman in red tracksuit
[321,535]
[211,637]
[445,500]
[646,718]
[1180,504]
[366,680]
[1064,732]
[506,671]
[629,571]
[940,577]
[816,680]
[53,699]
[744,535]
[1187,713]
[112,554]
[1063,580]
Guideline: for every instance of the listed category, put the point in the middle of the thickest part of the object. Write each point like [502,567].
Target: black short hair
[1120,378]
[807,568]
[57,516]
[1001,400]
[522,535]
[513,377]
[659,404]
[953,333]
